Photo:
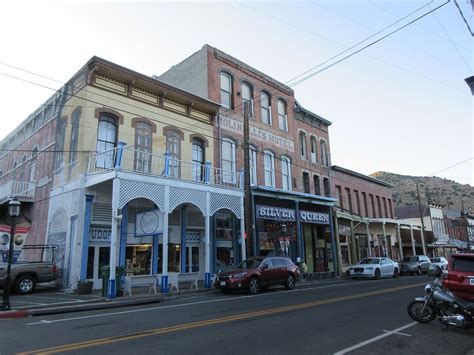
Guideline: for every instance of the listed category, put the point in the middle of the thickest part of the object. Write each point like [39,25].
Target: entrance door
[320,259]
[98,256]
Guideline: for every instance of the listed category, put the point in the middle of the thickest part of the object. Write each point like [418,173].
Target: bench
[174,279]
[141,280]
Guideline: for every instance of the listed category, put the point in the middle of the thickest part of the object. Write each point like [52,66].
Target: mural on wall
[57,234]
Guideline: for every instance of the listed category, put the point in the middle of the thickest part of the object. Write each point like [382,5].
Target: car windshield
[370,261]
[435,260]
[410,259]
[249,264]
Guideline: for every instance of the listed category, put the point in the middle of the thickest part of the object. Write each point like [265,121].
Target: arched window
[324,153]
[76,115]
[59,145]
[247,97]
[303,150]
[226,90]
[286,173]
[106,141]
[282,116]
[269,166]
[266,108]
[34,156]
[198,159]
[173,147]
[253,165]
[22,168]
[314,150]
[143,146]
[13,169]
[228,161]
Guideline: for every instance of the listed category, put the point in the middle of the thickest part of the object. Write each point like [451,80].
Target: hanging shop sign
[21,233]
[100,234]
[287,214]
[148,223]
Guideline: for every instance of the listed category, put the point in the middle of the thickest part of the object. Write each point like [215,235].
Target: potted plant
[84,287]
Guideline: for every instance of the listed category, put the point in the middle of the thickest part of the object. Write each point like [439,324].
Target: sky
[400,105]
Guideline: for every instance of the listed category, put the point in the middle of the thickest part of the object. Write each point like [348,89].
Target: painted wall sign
[262,135]
[276,213]
[100,234]
[148,223]
[193,237]
[314,217]
[287,214]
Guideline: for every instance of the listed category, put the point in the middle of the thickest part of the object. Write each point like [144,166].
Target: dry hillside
[432,190]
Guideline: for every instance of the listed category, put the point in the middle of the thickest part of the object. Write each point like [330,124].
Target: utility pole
[248,197]
[421,218]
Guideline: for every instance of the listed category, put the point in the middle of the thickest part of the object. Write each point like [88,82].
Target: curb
[13,314]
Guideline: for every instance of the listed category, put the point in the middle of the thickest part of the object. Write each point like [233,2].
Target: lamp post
[13,212]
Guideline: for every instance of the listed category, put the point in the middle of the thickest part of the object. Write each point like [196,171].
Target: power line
[452,166]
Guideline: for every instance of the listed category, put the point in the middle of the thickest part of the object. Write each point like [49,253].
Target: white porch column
[385,239]
[412,240]
[207,242]
[400,246]
[164,267]
[242,232]
[369,239]
[112,286]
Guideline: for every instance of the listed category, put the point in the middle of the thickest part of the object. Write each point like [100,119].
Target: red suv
[259,273]
[459,277]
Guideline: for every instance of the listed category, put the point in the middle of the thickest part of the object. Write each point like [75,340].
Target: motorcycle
[442,303]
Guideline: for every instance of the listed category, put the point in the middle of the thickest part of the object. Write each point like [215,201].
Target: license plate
[471,281]
[222,283]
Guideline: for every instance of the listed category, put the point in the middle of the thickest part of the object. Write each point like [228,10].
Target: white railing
[18,189]
[137,161]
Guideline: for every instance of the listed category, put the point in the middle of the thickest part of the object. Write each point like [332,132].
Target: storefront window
[224,239]
[277,238]
[345,255]
[104,258]
[139,257]
[90,263]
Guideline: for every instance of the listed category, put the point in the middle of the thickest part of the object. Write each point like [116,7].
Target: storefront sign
[100,234]
[193,237]
[262,135]
[148,223]
[276,213]
[314,217]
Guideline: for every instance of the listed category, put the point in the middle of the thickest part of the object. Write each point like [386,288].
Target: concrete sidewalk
[72,302]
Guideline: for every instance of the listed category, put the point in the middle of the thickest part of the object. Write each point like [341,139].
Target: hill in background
[432,190]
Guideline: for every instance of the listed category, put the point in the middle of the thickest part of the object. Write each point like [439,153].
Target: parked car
[440,261]
[417,264]
[259,273]
[25,276]
[459,277]
[375,268]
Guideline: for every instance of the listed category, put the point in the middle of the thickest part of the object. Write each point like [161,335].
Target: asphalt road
[335,316]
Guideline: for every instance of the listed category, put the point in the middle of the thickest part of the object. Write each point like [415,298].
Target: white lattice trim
[222,201]
[180,195]
[130,190]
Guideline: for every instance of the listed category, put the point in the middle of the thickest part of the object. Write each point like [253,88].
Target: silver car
[374,268]
[440,261]
[417,264]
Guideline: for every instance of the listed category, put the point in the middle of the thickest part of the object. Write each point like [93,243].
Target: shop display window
[277,238]
[138,259]
[224,239]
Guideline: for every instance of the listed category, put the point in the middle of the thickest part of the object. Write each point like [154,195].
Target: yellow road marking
[186,326]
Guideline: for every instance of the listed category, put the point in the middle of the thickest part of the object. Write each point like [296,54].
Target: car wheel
[254,286]
[419,271]
[25,284]
[395,273]
[290,282]
[377,274]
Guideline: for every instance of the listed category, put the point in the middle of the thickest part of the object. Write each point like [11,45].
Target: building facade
[288,155]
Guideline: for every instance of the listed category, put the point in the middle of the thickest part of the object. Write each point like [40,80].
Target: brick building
[289,154]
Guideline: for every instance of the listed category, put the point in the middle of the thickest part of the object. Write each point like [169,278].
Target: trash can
[119,274]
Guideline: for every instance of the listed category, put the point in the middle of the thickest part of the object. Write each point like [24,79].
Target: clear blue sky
[400,106]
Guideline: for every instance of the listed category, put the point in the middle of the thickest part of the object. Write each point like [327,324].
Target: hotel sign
[287,214]
[260,134]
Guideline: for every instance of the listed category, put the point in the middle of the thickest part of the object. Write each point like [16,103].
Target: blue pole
[184,225]
[85,236]
[154,254]
[118,159]
[207,172]
[333,243]
[123,236]
[167,164]
[299,232]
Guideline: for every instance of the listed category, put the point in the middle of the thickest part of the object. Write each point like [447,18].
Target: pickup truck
[25,275]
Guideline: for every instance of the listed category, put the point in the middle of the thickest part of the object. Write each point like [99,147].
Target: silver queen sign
[287,214]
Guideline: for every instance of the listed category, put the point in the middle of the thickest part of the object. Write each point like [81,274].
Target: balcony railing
[133,160]
[19,189]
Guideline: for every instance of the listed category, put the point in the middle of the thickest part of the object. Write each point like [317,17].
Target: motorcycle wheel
[414,311]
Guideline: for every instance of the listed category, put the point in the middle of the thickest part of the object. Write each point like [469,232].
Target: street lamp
[13,212]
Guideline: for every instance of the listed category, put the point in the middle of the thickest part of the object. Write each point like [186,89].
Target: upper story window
[266,108]
[22,168]
[372,202]
[357,200]
[253,165]
[384,202]
[349,199]
[314,150]
[173,148]
[228,161]
[327,189]
[198,159]
[339,196]
[143,146]
[106,141]
[269,166]
[324,153]
[34,156]
[247,97]
[286,173]
[76,115]
[306,182]
[282,116]
[364,201]
[303,150]
[390,210]
[317,185]
[379,207]
[59,145]
[226,90]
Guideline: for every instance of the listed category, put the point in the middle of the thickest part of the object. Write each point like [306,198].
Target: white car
[440,261]
[375,268]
